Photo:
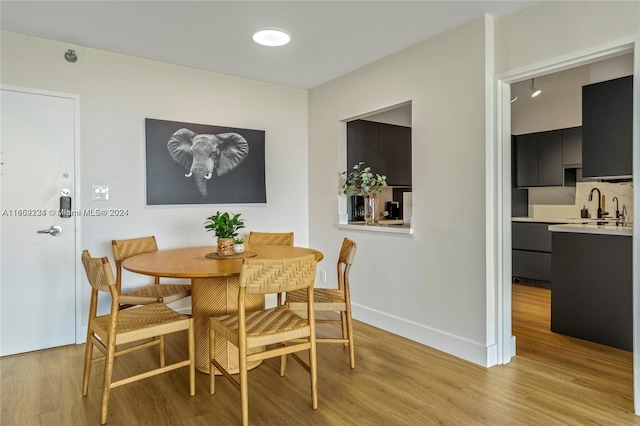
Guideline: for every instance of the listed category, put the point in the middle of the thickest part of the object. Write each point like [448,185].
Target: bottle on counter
[584,213]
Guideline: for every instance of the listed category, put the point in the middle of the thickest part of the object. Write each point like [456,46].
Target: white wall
[429,287]
[546,31]
[118,92]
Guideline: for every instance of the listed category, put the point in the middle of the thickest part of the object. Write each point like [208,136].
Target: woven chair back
[98,271]
[347,251]
[124,249]
[271,238]
[263,276]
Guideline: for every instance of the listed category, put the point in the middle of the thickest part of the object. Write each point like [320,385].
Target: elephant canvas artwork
[191,163]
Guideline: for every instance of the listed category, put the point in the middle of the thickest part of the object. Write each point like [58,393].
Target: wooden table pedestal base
[213,297]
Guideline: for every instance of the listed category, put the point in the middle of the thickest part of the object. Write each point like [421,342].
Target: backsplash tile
[567,202]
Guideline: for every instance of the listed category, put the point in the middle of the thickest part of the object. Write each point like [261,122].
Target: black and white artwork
[191,163]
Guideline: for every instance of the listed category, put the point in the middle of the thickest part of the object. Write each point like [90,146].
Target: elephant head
[204,154]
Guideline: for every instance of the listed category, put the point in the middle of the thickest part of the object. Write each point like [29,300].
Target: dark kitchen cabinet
[384,147]
[362,143]
[531,250]
[572,147]
[394,153]
[592,291]
[539,159]
[519,197]
[550,170]
[607,128]
[527,160]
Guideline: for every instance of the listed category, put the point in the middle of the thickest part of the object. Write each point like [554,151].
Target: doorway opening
[508,86]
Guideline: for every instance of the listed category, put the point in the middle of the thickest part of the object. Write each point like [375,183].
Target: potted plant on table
[226,228]
[238,246]
[361,181]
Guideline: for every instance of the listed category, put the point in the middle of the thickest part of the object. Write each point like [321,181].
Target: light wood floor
[554,380]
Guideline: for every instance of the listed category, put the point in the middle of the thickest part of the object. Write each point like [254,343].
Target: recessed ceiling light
[271,36]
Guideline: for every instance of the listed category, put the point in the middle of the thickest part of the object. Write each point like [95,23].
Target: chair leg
[162,360]
[192,358]
[244,383]
[212,368]
[352,351]
[313,371]
[343,322]
[283,362]
[106,383]
[88,354]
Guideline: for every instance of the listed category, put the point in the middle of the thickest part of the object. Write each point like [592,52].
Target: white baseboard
[483,355]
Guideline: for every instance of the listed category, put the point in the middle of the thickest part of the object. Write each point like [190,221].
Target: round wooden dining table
[214,288]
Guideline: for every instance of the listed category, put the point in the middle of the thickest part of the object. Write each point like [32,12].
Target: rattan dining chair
[140,325]
[270,238]
[333,300]
[253,332]
[273,239]
[153,293]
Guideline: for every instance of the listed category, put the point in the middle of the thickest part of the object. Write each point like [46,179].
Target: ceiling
[329,38]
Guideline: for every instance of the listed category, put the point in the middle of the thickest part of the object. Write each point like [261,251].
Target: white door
[37,276]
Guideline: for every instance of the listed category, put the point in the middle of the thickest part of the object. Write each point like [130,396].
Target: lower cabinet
[531,254]
[532,265]
[592,291]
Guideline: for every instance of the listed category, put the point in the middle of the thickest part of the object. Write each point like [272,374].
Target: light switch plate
[99,192]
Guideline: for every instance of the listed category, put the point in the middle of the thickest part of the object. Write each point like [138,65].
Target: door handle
[54,231]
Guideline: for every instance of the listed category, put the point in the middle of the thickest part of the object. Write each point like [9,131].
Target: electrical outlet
[323,277]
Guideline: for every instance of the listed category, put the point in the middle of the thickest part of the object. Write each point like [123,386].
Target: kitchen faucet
[621,219]
[601,213]
[617,207]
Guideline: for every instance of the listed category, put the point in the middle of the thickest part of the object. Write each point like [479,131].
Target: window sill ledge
[389,229]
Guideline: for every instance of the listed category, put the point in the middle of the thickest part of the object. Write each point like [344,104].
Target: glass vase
[370,210]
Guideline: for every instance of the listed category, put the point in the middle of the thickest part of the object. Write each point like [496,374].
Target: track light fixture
[71,56]
[534,92]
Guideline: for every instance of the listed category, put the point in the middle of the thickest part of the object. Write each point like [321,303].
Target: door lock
[54,231]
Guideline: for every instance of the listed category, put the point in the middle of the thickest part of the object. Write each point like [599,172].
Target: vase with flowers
[361,181]
[226,228]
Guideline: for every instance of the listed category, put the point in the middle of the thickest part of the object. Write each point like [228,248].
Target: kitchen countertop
[580,225]
[592,228]
[552,219]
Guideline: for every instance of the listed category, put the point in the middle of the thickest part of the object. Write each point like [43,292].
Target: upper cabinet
[607,128]
[384,147]
[527,160]
[362,144]
[550,170]
[539,159]
[548,158]
[572,147]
